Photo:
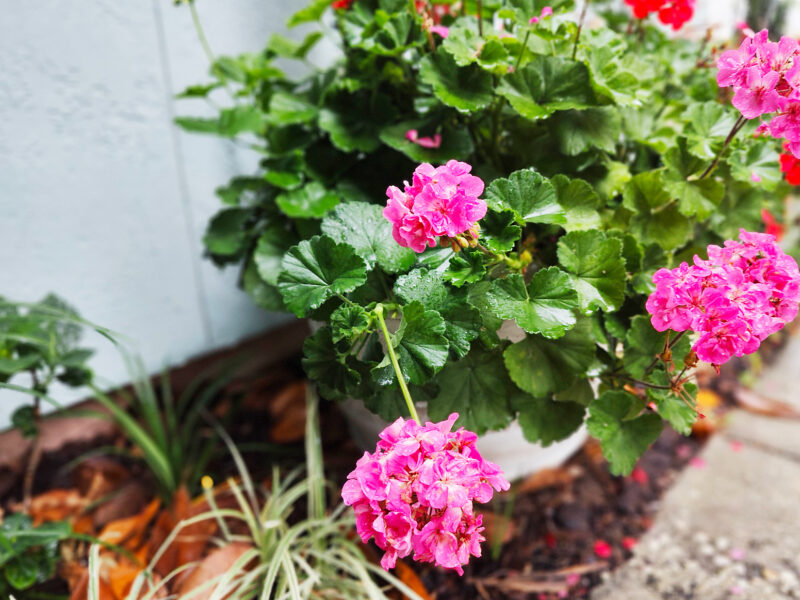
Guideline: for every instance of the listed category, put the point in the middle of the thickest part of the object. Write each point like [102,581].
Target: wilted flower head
[744,292]
[416,493]
[439,202]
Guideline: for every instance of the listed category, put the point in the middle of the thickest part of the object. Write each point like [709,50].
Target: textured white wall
[102,199]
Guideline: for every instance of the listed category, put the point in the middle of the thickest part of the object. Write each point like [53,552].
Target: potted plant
[552,169]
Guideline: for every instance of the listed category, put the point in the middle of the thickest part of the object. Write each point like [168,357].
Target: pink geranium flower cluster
[744,292]
[670,12]
[439,202]
[765,77]
[415,493]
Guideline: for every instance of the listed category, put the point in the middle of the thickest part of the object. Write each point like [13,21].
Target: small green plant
[40,345]
[314,557]
[28,554]
[168,431]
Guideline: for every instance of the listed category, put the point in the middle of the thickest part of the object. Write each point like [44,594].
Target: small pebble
[706,549]
[722,543]
[721,561]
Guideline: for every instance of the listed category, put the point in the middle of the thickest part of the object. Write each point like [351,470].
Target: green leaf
[656,219]
[598,270]
[284,47]
[578,131]
[354,121]
[670,407]
[580,392]
[710,122]
[643,343]
[310,201]
[316,270]
[349,321]
[239,119]
[24,419]
[420,345]
[312,12]
[623,441]
[541,367]
[580,202]
[478,389]
[531,197]
[290,109]
[198,124]
[227,233]
[269,252]
[545,421]
[466,89]
[330,369]
[499,230]
[467,47]
[545,85]
[364,227]
[462,321]
[545,306]
[465,267]
[262,293]
[760,159]
[696,198]
[456,143]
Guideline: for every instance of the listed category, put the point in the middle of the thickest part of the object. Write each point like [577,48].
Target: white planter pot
[507,448]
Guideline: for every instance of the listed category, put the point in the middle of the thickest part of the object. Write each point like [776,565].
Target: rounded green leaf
[529,195]
[310,201]
[478,389]
[545,306]
[467,89]
[597,267]
[364,227]
[541,367]
[547,84]
[623,441]
[316,270]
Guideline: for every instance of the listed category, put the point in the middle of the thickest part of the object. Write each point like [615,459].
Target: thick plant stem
[480,17]
[736,128]
[580,28]
[396,365]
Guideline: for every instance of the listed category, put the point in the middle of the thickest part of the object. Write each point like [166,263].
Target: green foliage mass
[591,143]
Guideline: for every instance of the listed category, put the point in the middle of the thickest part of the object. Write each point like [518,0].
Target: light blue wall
[102,199]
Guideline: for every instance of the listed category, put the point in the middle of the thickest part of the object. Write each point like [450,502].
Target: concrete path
[730,527]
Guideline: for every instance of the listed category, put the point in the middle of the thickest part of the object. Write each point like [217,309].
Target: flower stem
[736,128]
[393,358]
[524,49]
[480,17]
[667,345]
[580,28]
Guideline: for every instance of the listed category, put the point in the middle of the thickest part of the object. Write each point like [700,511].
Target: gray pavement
[730,527]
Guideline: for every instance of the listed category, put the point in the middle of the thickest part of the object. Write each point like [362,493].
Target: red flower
[676,13]
[341,4]
[773,227]
[642,8]
[791,166]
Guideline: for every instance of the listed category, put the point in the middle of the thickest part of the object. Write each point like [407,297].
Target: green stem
[524,48]
[480,17]
[393,358]
[736,128]
[580,28]
[201,34]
